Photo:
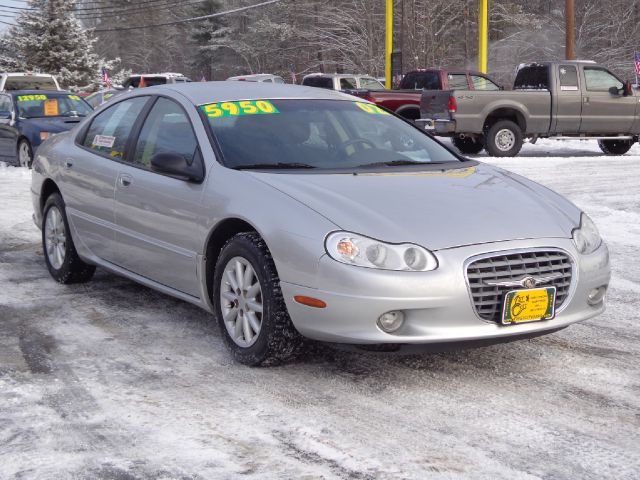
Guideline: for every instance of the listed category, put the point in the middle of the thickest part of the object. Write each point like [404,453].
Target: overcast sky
[5,16]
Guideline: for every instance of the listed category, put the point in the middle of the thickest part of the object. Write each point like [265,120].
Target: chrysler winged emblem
[527,281]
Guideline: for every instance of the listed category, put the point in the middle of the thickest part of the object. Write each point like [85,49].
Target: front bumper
[437,305]
[437,126]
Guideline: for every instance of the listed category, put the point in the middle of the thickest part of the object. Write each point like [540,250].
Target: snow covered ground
[110,380]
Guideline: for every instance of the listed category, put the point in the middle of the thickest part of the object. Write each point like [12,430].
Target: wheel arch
[505,113]
[412,110]
[218,236]
[48,187]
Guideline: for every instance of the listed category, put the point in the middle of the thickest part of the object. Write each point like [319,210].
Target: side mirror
[501,87]
[176,166]
[614,91]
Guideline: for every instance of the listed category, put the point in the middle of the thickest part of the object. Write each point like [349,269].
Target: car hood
[436,209]
[52,124]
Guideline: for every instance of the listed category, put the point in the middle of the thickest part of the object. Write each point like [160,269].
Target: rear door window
[568,75]
[532,77]
[110,130]
[320,82]
[422,81]
[167,129]
[458,81]
[348,83]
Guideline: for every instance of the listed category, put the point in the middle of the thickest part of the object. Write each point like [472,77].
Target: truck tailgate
[434,104]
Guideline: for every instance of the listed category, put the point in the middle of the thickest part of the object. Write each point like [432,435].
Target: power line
[6,23]
[186,20]
[115,13]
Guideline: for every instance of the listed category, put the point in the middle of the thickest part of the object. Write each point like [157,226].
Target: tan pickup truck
[566,99]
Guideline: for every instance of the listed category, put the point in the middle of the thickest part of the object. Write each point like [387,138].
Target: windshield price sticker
[237,109]
[51,108]
[371,108]
[74,97]
[31,98]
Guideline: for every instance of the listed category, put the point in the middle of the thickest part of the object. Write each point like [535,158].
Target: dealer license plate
[521,306]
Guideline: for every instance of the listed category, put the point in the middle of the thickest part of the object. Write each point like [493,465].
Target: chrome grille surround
[506,265]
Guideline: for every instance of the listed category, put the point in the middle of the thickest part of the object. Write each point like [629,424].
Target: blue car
[28,117]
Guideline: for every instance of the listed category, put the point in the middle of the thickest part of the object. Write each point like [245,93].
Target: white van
[28,81]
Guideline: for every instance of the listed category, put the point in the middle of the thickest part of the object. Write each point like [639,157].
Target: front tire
[615,147]
[25,153]
[60,254]
[249,306]
[504,139]
[468,145]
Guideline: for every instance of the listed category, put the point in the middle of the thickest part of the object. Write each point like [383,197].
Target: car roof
[200,93]
[339,75]
[37,92]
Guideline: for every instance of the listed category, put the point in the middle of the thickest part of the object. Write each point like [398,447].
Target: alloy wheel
[241,301]
[55,238]
[24,154]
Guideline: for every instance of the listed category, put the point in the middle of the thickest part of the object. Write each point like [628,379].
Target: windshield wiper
[393,163]
[272,166]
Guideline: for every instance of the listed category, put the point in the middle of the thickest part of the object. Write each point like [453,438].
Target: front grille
[488,299]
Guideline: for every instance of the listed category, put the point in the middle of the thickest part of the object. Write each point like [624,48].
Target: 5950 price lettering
[234,109]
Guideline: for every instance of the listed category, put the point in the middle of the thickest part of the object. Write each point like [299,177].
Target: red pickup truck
[405,100]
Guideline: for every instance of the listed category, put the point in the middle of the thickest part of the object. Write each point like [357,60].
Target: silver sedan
[292,212]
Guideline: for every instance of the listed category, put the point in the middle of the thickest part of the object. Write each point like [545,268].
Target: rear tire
[60,254]
[504,139]
[468,145]
[615,147]
[25,153]
[249,306]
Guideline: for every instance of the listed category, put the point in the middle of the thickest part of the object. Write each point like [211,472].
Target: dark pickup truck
[405,100]
[564,99]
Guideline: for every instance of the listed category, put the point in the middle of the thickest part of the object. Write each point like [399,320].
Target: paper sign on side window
[103,141]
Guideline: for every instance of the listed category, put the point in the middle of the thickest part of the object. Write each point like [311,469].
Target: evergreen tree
[208,37]
[49,38]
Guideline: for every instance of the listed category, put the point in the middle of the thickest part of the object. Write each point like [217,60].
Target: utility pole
[483,40]
[388,44]
[569,15]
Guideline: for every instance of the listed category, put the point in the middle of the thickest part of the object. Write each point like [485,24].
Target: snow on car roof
[211,92]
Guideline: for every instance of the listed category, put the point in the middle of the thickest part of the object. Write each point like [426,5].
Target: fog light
[596,295]
[391,321]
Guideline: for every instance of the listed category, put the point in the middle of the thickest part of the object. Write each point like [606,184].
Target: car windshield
[51,105]
[327,134]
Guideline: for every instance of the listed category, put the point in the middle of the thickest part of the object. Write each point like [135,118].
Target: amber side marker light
[310,301]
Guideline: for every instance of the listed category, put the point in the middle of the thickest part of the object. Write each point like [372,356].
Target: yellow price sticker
[237,109]
[51,108]
[74,97]
[371,108]
[31,98]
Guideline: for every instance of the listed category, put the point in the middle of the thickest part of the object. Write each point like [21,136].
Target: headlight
[586,237]
[354,249]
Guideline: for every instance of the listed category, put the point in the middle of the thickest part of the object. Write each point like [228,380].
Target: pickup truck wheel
[468,145]
[504,139]
[615,147]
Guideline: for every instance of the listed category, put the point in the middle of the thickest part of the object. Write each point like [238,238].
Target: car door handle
[125,180]
[585,99]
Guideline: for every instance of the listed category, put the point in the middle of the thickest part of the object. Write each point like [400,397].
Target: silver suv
[342,81]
